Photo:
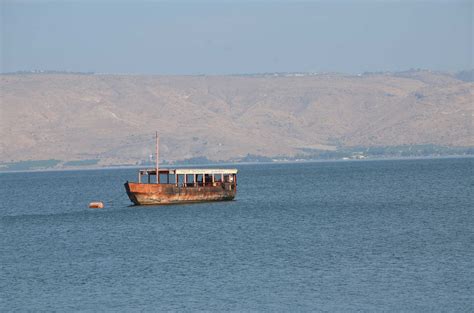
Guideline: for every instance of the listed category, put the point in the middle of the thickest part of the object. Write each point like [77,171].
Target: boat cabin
[189,177]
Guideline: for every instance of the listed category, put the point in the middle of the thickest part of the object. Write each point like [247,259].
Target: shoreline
[226,164]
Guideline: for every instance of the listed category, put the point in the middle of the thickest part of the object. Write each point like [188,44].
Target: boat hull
[156,194]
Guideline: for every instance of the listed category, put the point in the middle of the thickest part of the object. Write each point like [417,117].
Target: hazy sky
[202,37]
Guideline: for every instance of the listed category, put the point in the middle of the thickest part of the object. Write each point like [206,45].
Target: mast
[157,158]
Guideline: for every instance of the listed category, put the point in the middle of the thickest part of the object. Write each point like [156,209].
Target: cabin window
[208,179]
[180,179]
[167,179]
[163,178]
[172,179]
[199,179]
[218,178]
[190,180]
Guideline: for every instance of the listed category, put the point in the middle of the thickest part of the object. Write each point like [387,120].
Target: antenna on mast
[157,158]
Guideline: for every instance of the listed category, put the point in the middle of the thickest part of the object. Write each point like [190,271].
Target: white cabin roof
[191,171]
[206,171]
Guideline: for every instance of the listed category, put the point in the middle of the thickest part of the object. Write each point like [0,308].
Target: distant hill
[467,76]
[111,119]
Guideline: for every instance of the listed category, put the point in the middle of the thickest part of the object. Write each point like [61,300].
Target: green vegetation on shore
[29,165]
[343,153]
[88,162]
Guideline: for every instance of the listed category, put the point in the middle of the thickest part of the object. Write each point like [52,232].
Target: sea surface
[331,236]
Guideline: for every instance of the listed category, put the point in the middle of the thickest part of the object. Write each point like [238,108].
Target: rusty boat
[158,186]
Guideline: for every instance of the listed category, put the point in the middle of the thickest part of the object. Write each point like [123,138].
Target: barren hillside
[113,118]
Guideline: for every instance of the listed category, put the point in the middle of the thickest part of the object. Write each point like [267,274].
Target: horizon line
[38,71]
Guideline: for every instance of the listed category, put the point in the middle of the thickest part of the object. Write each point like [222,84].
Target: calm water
[336,236]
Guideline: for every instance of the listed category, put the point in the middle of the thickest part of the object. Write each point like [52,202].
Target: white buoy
[96,205]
